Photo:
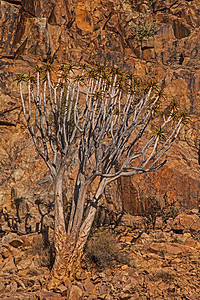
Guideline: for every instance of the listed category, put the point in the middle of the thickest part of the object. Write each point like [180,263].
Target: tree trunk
[78,203]
[69,251]
[65,242]
[75,260]
[60,235]
[78,206]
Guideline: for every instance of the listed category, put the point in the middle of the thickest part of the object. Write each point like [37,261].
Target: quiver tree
[122,126]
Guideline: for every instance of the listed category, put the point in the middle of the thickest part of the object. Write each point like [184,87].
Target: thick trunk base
[57,273]
[66,264]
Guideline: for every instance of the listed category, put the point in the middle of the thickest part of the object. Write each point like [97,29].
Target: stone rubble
[164,264]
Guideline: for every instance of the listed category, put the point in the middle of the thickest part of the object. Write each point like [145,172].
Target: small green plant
[103,251]
[162,252]
[144,28]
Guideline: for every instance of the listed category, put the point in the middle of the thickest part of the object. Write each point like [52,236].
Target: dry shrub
[103,251]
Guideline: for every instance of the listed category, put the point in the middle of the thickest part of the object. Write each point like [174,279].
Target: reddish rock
[2,286]
[67,283]
[16,243]
[50,296]
[158,223]
[8,266]
[103,289]
[126,239]
[192,243]
[171,248]
[62,289]
[186,222]
[75,293]
[89,286]
[8,26]
[5,252]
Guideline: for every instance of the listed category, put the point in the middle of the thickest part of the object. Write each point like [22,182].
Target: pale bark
[75,260]
[60,237]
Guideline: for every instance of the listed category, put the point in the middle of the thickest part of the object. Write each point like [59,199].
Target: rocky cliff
[59,31]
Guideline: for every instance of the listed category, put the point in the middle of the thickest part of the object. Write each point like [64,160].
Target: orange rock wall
[33,31]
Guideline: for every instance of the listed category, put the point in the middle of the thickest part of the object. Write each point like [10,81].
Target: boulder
[89,286]
[8,267]
[75,293]
[50,296]
[133,221]
[186,222]
[158,223]
[170,248]
[12,239]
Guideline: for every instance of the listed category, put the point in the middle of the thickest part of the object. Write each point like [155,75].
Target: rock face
[33,31]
